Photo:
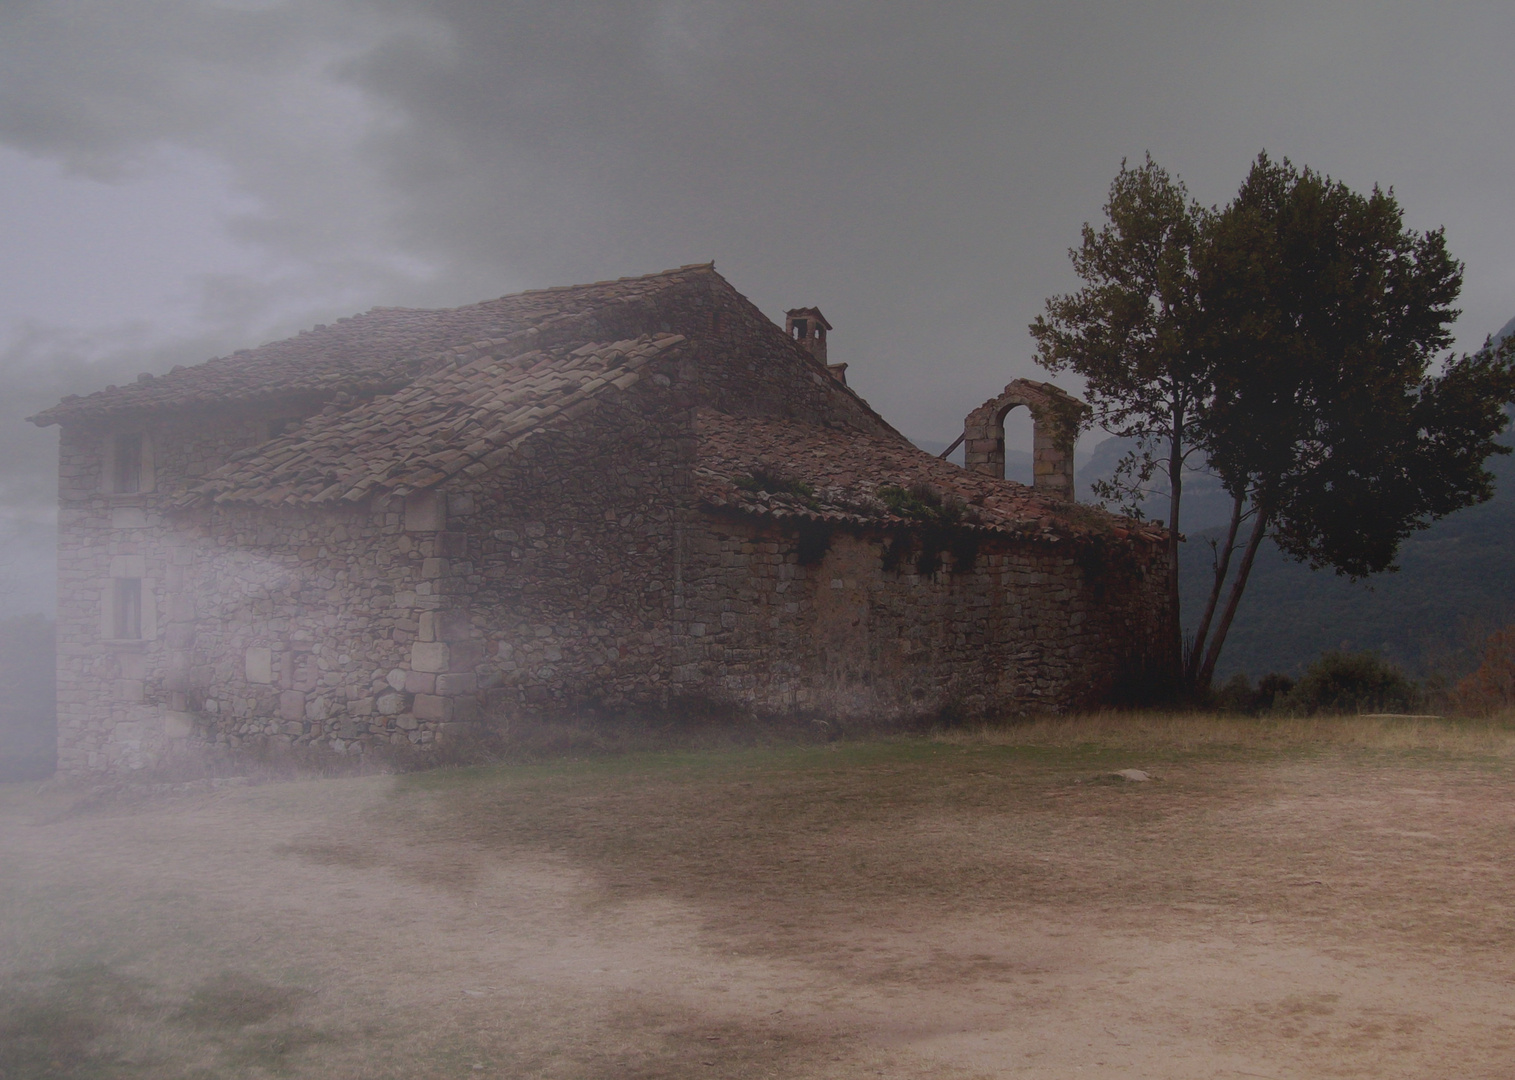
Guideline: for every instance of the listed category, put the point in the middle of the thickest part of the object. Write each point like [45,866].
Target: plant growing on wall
[941,520]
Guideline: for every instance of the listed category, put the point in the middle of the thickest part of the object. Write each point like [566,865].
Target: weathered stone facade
[630,496]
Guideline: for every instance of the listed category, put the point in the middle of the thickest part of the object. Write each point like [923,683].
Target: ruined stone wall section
[1056,417]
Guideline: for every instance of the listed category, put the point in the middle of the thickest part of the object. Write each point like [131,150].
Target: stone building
[629,496]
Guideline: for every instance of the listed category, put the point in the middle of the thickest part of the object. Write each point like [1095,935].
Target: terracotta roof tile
[376,352]
[430,429]
[844,470]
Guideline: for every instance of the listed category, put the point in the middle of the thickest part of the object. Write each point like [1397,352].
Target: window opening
[128,464]
[128,608]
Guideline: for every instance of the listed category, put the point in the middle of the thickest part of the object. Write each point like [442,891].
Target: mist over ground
[184,178]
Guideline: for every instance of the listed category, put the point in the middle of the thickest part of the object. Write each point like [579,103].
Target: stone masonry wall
[114,708]
[578,576]
[381,623]
[1029,628]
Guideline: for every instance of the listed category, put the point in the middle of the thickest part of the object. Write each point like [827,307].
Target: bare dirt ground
[1275,902]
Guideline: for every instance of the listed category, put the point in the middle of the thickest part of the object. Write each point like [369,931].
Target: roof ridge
[608,281]
[360,353]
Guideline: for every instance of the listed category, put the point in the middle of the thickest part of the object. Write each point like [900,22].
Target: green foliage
[922,502]
[1238,695]
[1324,315]
[1341,682]
[1131,331]
[813,541]
[1455,584]
[775,483]
[941,519]
[1289,337]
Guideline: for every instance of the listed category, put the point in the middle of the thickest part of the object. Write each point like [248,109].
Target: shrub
[1492,687]
[1340,682]
[1239,696]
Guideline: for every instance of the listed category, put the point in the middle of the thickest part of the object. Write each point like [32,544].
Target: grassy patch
[785,840]
[234,1000]
[67,1023]
[90,1021]
[709,908]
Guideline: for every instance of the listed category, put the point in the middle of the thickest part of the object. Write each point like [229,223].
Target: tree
[1287,341]
[1132,333]
[1323,316]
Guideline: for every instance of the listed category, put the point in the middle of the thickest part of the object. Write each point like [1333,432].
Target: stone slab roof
[467,411]
[834,476]
[376,352]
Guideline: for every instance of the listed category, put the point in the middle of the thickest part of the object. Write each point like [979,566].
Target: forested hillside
[1455,584]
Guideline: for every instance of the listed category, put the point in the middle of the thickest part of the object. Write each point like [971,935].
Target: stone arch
[1056,416]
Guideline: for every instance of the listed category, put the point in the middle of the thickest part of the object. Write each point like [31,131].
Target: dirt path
[902,910]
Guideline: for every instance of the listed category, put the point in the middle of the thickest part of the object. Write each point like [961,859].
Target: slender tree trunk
[1222,566]
[1176,491]
[1259,530]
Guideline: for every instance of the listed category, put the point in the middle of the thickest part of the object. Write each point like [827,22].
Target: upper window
[128,471]
[127,609]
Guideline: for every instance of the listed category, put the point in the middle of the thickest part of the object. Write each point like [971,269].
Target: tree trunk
[1212,655]
[1175,490]
[1222,566]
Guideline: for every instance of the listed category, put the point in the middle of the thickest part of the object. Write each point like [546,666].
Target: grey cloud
[916,169]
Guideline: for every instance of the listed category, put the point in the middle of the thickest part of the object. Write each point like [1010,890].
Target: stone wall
[114,705]
[382,623]
[1027,628]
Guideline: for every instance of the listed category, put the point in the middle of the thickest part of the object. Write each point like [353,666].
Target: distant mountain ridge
[1454,586]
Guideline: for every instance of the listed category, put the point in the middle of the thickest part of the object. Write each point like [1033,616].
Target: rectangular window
[128,464]
[128,608]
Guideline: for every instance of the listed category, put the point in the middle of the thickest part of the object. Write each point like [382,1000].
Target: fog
[186,177]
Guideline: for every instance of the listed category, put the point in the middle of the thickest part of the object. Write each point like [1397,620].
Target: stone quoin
[634,496]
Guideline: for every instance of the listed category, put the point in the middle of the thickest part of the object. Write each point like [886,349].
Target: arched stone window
[1056,417]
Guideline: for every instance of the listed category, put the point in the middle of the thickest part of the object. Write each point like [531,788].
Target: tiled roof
[465,414]
[376,352]
[834,475]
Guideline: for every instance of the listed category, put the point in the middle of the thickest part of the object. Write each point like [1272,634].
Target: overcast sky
[182,178]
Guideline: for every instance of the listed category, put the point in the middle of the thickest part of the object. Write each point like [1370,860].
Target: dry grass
[1190,732]
[1283,898]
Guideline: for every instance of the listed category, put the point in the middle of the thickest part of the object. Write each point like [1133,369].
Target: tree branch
[1259,530]
[1222,567]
